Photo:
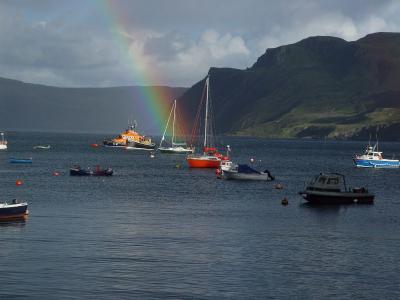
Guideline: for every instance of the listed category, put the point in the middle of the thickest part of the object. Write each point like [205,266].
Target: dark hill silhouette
[25,106]
[320,86]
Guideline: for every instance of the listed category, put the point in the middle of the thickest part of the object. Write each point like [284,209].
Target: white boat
[3,142]
[42,147]
[177,148]
[227,164]
[372,158]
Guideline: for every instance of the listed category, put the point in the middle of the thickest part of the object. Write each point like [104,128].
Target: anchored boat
[210,158]
[42,147]
[372,158]
[331,188]
[21,160]
[14,211]
[78,171]
[3,142]
[130,139]
[174,148]
[245,172]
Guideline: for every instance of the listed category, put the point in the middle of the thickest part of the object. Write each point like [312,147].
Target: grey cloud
[73,43]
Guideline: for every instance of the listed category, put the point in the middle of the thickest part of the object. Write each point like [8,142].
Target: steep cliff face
[318,87]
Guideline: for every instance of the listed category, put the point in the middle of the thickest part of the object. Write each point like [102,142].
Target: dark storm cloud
[73,43]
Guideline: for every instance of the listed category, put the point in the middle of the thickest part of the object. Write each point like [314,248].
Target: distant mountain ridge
[34,107]
[318,87]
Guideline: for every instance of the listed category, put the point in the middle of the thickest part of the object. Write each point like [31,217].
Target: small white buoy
[252,159]
[151,155]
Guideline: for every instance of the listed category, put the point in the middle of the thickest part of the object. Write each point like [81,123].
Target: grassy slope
[321,86]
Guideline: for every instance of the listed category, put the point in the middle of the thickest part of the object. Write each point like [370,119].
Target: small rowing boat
[20,160]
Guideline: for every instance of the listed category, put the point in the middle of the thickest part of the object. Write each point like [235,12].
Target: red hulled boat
[210,158]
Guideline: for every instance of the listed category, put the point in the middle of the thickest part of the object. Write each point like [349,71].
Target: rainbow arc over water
[154,98]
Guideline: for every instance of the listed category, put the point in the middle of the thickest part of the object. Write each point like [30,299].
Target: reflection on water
[155,231]
[14,223]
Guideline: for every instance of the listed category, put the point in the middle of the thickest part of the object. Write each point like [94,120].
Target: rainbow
[156,102]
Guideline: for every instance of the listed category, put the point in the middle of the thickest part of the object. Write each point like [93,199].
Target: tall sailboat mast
[166,127]
[206,120]
[173,124]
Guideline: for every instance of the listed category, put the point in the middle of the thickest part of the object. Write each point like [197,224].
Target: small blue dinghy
[20,160]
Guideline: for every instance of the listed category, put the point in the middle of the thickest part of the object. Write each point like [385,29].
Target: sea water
[159,230]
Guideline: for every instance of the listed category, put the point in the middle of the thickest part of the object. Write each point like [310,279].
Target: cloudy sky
[96,43]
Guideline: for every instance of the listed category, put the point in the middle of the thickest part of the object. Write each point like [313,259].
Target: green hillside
[318,87]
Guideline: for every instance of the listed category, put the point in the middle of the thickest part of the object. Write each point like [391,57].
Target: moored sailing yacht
[210,158]
[178,148]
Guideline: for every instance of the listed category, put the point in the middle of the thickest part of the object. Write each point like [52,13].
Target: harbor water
[159,230]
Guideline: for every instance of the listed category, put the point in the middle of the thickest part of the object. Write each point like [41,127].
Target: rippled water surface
[155,231]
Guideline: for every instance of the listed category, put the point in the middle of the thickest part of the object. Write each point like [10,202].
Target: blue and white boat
[21,160]
[372,158]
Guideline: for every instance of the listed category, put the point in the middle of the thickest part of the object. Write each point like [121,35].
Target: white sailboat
[3,142]
[177,148]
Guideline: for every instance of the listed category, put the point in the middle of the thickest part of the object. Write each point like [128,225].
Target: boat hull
[13,211]
[20,161]
[204,162]
[3,147]
[316,197]
[80,172]
[371,163]
[243,176]
[140,146]
[175,150]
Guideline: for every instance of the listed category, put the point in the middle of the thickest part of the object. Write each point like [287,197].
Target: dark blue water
[154,231]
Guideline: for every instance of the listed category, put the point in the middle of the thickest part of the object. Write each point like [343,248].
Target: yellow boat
[131,139]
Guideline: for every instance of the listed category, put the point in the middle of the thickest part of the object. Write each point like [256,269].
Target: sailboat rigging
[178,148]
[210,158]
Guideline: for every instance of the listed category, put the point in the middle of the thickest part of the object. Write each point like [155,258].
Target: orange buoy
[94,145]
[18,182]
[55,173]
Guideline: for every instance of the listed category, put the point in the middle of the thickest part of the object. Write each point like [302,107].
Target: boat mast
[206,120]
[173,124]
[165,130]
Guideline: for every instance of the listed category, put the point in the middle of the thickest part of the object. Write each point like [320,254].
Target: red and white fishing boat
[210,158]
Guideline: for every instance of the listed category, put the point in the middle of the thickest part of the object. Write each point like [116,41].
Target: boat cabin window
[333,181]
[322,179]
